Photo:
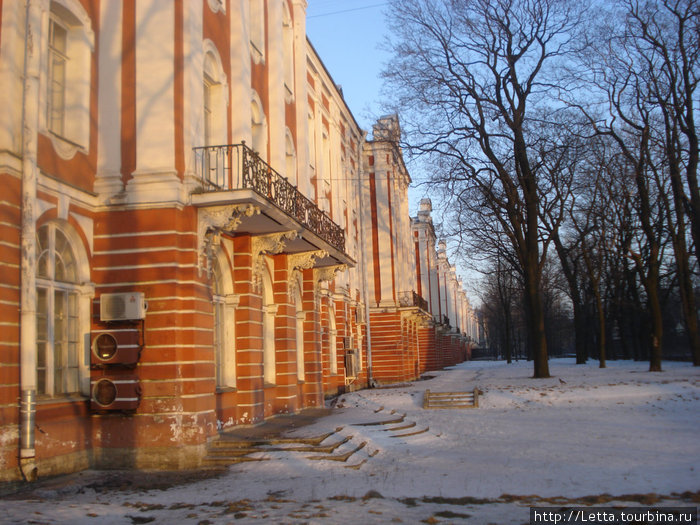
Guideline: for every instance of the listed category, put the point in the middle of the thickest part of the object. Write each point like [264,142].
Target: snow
[613,436]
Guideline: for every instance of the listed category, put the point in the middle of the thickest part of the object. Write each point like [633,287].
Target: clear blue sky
[346,35]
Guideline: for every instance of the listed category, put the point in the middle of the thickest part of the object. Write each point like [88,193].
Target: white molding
[155,187]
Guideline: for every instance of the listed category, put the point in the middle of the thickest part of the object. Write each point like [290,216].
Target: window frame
[56,56]
[62,354]
[72,135]
[257,30]
[224,303]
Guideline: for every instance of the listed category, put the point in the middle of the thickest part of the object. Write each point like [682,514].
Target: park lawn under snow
[618,435]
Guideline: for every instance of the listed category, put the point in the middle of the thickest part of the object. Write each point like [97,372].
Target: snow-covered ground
[614,436]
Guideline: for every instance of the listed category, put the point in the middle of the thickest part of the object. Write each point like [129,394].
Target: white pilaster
[11,73]
[108,180]
[240,82]
[192,121]
[155,179]
[301,96]
[276,91]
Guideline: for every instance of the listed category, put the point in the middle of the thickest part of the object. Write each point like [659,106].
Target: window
[219,325]
[58,326]
[214,114]
[217,5]
[208,122]
[58,37]
[224,308]
[311,130]
[269,311]
[288,52]
[257,30]
[259,127]
[333,341]
[66,86]
[300,316]
[290,158]
[214,97]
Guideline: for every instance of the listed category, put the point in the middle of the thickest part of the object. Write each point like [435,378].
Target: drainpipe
[363,272]
[28,354]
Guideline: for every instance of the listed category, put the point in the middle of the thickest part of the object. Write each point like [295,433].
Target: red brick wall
[9,317]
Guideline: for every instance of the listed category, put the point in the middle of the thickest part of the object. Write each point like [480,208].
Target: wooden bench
[451,399]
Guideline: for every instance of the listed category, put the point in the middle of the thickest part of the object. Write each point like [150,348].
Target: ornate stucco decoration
[326,274]
[212,221]
[298,262]
[263,245]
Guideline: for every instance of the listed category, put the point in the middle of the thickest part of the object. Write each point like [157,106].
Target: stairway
[433,400]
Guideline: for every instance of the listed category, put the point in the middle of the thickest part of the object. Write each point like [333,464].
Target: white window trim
[214,76]
[257,30]
[86,293]
[225,352]
[80,47]
[288,53]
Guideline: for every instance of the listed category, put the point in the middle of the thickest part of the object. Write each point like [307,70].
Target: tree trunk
[507,338]
[601,325]
[657,324]
[579,314]
[535,325]
[580,334]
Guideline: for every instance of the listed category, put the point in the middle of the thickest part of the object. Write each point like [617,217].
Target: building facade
[193,231]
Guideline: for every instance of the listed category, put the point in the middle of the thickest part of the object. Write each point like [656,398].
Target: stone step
[414,433]
[236,449]
[230,441]
[385,422]
[339,457]
[230,460]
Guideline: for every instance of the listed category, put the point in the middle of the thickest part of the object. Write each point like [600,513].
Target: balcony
[411,298]
[234,174]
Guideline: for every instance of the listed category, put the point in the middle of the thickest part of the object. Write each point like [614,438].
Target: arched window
[257,30]
[288,51]
[214,97]
[333,340]
[300,316]
[269,312]
[259,127]
[60,362]
[214,113]
[223,306]
[218,303]
[311,130]
[290,158]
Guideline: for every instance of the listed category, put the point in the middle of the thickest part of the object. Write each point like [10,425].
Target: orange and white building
[192,234]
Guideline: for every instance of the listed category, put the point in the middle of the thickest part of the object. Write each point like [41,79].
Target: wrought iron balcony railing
[236,166]
[413,299]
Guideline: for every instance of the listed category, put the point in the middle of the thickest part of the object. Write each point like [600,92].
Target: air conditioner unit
[127,306]
[352,363]
[109,393]
[347,342]
[116,347]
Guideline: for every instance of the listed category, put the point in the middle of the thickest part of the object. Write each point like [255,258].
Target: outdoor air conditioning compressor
[352,363]
[116,347]
[115,392]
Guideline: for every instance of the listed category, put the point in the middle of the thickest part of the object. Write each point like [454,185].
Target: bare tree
[473,80]
[619,67]
[666,38]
